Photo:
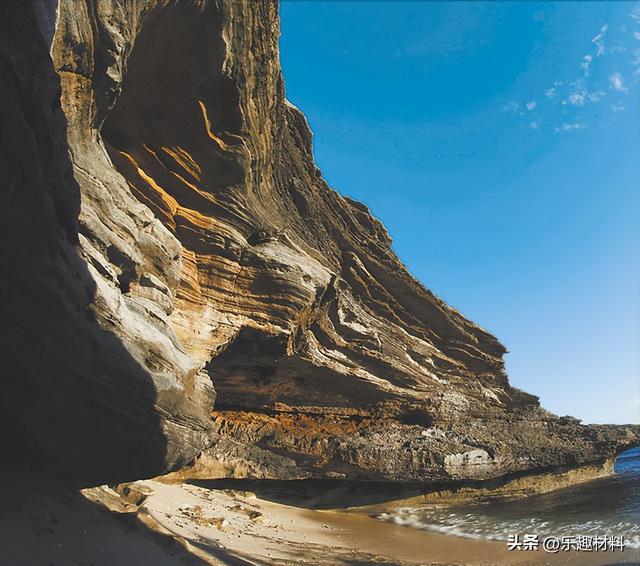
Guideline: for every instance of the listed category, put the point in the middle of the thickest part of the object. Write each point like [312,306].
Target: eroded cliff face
[96,386]
[207,248]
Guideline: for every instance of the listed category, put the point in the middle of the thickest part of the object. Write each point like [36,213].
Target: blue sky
[500,145]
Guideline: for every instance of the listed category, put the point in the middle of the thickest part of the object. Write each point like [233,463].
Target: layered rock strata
[96,386]
[178,233]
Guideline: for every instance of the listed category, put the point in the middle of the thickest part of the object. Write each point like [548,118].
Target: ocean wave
[477,526]
[607,506]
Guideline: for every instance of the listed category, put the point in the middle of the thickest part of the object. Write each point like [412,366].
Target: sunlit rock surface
[187,242]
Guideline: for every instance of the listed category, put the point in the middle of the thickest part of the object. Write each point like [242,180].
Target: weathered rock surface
[187,237]
[96,386]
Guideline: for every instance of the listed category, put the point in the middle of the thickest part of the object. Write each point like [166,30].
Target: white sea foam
[478,526]
[609,506]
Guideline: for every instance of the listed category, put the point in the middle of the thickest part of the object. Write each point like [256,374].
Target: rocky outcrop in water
[166,232]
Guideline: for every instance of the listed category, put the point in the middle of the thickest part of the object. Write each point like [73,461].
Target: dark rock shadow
[227,557]
[74,403]
[341,493]
[318,493]
[42,524]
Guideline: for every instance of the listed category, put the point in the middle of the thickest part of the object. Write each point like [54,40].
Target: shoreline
[376,496]
[159,523]
[267,532]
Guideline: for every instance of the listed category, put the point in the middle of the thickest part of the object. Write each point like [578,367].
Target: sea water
[607,506]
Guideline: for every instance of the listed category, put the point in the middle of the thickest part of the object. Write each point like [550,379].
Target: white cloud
[616,81]
[511,107]
[586,65]
[587,88]
[598,41]
[577,99]
[569,127]
[596,96]
[636,61]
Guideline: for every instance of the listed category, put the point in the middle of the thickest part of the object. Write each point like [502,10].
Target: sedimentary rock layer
[183,228]
[96,386]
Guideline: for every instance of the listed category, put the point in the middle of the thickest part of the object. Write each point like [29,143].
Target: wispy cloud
[586,65]
[616,82]
[511,107]
[635,61]
[577,99]
[597,95]
[595,79]
[598,40]
[569,127]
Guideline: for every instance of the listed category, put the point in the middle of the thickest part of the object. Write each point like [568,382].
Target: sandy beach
[274,533]
[155,523]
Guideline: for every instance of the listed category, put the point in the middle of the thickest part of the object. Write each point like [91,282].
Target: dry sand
[159,524]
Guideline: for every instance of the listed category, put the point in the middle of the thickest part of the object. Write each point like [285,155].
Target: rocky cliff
[167,233]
